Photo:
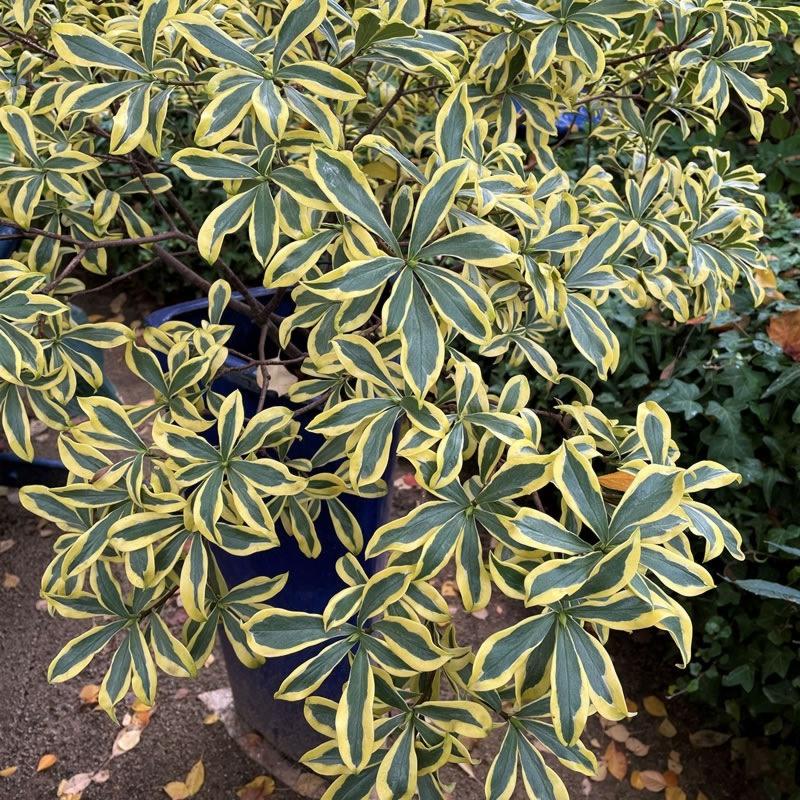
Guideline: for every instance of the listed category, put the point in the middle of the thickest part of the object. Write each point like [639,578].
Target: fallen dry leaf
[652,780]
[617,481]
[619,733]
[674,793]
[654,707]
[638,748]
[701,796]
[480,614]
[101,776]
[449,588]
[126,740]
[195,777]
[176,790]
[46,761]
[704,738]
[632,707]
[89,694]
[211,719]
[601,773]
[10,581]
[784,330]
[74,786]
[674,762]
[667,729]
[258,788]
[6,545]
[616,761]
[670,778]
[636,780]
[7,772]
[189,786]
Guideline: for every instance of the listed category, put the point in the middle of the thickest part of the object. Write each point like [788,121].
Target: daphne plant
[395,166]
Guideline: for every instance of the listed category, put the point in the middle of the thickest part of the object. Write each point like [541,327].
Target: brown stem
[378,118]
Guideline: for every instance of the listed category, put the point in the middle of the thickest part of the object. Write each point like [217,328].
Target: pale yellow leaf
[7,772]
[195,778]
[177,790]
[126,740]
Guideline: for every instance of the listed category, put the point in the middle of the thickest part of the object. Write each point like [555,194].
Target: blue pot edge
[168,313]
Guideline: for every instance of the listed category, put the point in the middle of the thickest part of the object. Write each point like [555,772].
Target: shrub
[372,155]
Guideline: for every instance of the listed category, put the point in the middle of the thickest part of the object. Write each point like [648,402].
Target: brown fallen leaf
[667,729]
[7,772]
[670,778]
[616,761]
[784,330]
[705,738]
[654,706]
[632,706]
[259,788]
[701,796]
[616,481]
[652,780]
[211,719]
[10,581]
[674,793]
[674,762]
[636,780]
[89,694]
[46,761]
[619,733]
[637,747]
[6,545]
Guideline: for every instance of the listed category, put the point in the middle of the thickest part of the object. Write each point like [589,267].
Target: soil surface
[37,718]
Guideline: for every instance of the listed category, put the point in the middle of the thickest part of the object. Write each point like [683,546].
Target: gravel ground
[37,718]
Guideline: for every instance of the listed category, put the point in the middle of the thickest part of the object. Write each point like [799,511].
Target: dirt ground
[38,719]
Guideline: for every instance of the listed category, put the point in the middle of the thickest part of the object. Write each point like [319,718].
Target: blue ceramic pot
[14,471]
[312,582]
[9,246]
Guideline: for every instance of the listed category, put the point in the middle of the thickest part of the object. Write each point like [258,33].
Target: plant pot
[312,582]
[16,473]
[9,246]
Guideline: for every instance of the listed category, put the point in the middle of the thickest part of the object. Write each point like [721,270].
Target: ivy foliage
[391,169]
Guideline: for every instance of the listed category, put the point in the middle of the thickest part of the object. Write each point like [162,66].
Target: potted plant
[408,242]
